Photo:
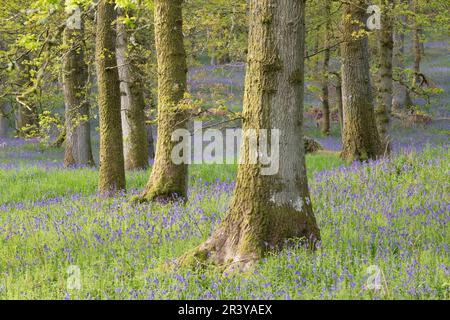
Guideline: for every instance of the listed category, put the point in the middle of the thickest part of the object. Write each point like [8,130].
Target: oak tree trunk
[150,142]
[268,210]
[401,99]
[78,150]
[325,69]
[135,146]
[385,55]
[112,173]
[360,135]
[417,42]
[339,103]
[168,180]
[3,121]
[25,115]
[315,67]
[25,119]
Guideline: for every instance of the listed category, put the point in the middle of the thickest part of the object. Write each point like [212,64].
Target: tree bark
[385,55]
[25,120]
[78,150]
[25,115]
[401,99]
[168,180]
[150,142]
[112,172]
[268,210]
[360,136]
[325,69]
[417,43]
[315,67]
[339,100]
[135,146]
[3,121]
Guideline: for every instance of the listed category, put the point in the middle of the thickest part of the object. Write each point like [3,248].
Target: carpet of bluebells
[385,229]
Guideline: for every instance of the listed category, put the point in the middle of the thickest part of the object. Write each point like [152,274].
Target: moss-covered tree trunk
[135,146]
[168,180]
[360,135]
[385,55]
[401,99]
[3,121]
[339,102]
[112,172]
[417,44]
[78,150]
[325,70]
[150,142]
[315,48]
[26,117]
[25,120]
[268,210]
[3,105]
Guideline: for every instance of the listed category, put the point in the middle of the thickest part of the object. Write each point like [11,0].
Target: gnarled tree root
[237,246]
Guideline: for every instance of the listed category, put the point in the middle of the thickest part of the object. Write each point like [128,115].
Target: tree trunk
[384,98]
[78,149]
[25,119]
[339,102]
[417,43]
[325,69]
[150,142]
[60,139]
[135,146]
[168,180]
[25,115]
[3,121]
[360,136]
[315,67]
[401,100]
[268,210]
[112,173]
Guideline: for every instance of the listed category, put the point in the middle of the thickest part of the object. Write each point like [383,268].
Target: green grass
[34,183]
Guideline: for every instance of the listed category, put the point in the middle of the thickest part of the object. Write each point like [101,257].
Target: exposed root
[232,249]
[207,255]
[161,196]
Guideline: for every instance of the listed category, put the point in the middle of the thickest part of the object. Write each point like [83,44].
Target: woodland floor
[388,218]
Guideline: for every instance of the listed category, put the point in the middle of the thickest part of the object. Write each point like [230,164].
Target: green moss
[196,259]
[166,189]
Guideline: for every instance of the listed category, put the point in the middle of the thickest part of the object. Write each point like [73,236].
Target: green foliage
[217,29]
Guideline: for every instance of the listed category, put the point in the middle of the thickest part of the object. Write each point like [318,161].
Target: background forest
[91,207]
